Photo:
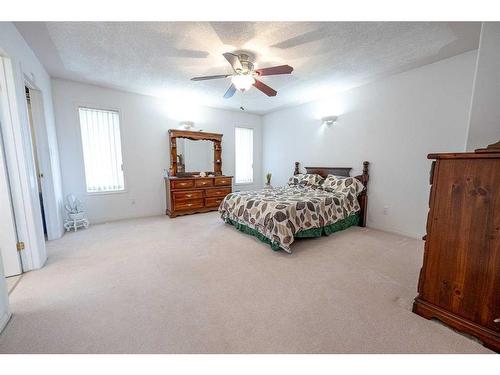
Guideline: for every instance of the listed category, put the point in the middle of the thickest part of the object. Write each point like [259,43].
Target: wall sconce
[187,124]
[329,120]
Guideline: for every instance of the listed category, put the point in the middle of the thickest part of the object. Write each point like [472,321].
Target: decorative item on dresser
[460,278]
[268,181]
[194,192]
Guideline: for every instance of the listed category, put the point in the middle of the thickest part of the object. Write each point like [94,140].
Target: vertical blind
[102,151]
[244,155]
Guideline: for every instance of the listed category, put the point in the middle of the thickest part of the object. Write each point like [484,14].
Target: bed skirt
[308,233]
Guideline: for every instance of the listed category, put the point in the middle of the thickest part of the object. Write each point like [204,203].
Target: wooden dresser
[189,195]
[460,277]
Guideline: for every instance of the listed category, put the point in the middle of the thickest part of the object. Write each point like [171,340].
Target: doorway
[30,96]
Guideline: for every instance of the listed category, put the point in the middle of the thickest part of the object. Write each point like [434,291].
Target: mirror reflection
[194,156]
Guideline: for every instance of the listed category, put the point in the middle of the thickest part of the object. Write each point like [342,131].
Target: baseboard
[4,319]
[394,231]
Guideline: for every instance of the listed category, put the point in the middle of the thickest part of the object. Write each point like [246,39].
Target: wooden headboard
[346,172]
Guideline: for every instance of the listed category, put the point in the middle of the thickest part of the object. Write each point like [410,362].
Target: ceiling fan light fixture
[242,81]
[244,75]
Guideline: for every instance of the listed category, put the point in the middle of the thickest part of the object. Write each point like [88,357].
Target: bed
[279,216]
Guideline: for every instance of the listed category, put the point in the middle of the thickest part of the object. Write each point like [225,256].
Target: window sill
[112,192]
[243,183]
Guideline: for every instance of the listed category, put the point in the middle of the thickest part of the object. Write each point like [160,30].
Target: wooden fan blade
[204,78]
[234,61]
[265,88]
[282,69]
[230,91]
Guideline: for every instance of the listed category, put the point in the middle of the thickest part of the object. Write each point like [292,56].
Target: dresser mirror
[192,152]
[194,156]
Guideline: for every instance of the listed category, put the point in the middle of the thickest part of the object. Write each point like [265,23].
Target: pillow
[346,185]
[306,179]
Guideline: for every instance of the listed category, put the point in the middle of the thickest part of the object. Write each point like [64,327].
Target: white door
[8,237]
[4,300]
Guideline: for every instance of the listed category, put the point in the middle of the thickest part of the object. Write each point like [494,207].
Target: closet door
[8,237]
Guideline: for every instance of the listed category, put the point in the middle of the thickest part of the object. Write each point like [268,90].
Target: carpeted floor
[12,282]
[195,285]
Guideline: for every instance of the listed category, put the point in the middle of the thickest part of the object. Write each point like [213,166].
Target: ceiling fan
[245,76]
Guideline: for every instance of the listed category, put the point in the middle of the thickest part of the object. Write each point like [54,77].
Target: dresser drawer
[213,201]
[222,181]
[183,195]
[189,204]
[219,192]
[182,184]
[203,182]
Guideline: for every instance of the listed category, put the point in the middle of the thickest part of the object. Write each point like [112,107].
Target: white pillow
[346,185]
[306,179]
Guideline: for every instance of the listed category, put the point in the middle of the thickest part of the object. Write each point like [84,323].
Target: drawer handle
[190,204]
[189,195]
[497,320]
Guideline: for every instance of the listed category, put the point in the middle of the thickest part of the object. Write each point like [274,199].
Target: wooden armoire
[460,277]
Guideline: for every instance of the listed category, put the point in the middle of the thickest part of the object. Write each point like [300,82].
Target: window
[102,151]
[244,155]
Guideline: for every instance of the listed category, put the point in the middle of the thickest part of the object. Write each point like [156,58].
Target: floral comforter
[278,214]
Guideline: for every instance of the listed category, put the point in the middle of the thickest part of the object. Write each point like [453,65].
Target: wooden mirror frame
[216,138]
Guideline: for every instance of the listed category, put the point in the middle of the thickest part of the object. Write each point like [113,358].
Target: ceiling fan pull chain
[241,101]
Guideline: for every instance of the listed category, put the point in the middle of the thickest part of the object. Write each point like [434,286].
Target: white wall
[144,124]
[393,123]
[484,128]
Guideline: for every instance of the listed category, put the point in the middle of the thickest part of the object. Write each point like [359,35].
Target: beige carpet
[195,285]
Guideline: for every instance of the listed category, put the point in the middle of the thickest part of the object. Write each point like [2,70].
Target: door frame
[20,164]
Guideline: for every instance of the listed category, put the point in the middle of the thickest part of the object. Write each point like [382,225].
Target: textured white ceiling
[159,58]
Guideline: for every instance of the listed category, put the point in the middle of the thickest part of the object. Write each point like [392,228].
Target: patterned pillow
[306,179]
[344,185]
